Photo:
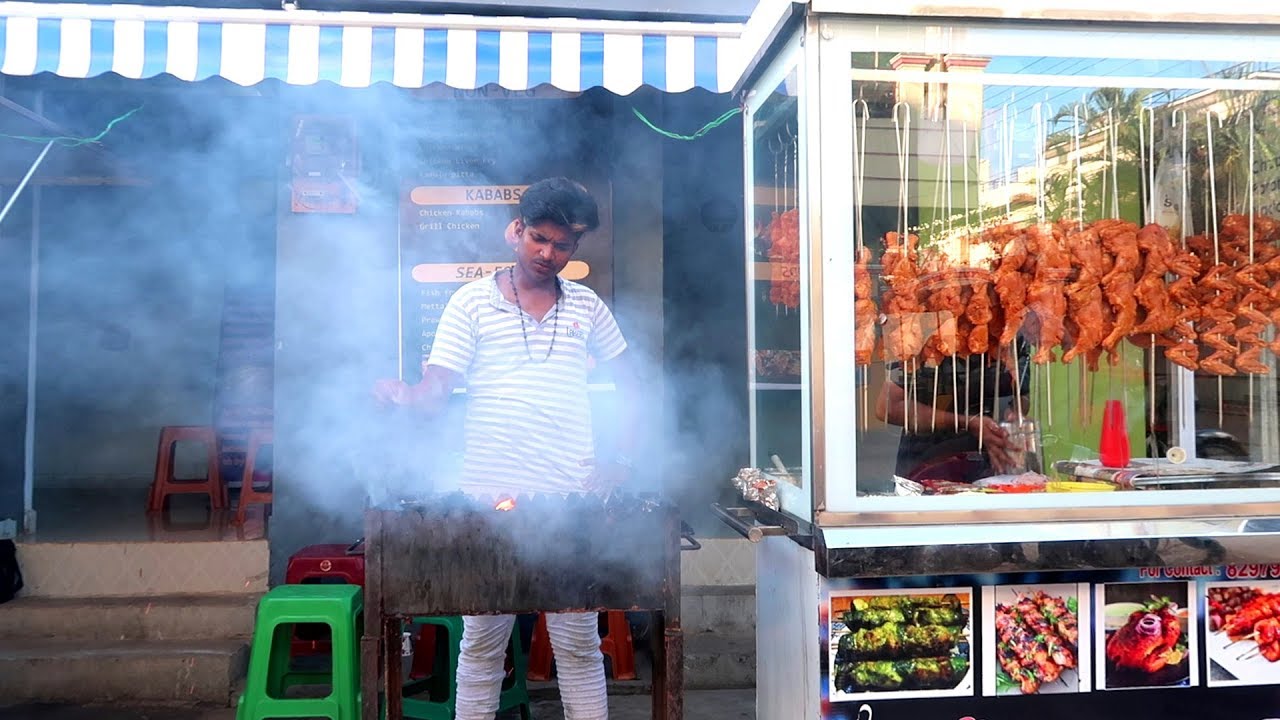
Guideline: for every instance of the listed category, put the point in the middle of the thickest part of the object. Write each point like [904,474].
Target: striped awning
[358,49]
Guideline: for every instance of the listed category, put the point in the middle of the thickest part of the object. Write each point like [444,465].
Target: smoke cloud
[136,275]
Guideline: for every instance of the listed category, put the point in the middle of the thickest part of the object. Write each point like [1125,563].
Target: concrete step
[142,569]
[164,617]
[80,672]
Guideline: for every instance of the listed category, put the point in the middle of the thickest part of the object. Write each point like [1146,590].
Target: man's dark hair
[561,201]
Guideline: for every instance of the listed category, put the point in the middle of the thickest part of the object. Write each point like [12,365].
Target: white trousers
[575,640]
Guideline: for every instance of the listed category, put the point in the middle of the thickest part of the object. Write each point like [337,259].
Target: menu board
[1169,642]
[453,232]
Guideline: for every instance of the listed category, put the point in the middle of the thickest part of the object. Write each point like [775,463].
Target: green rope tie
[726,117]
[72,142]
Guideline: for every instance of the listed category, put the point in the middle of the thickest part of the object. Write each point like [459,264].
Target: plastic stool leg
[618,646]
[540,652]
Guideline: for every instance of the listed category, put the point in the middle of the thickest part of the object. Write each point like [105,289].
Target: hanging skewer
[955,320]
[1250,115]
[1184,229]
[777,201]
[1150,169]
[902,130]
[964,262]
[1042,139]
[859,177]
[1213,203]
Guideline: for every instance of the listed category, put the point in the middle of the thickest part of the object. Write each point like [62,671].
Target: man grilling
[519,341]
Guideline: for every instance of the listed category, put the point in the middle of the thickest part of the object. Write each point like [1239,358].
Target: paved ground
[699,705]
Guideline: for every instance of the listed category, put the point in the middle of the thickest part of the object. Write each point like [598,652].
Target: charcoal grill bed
[455,556]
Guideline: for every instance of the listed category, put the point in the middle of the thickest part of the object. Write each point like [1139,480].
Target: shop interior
[179,281]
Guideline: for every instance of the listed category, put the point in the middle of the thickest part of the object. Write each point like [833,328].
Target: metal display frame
[827,494]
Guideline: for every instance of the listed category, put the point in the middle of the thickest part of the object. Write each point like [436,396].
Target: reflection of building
[961,101]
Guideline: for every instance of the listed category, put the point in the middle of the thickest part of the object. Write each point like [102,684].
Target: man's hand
[994,440]
[392,392]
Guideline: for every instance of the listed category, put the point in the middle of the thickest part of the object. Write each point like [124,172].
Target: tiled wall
[721,561]
[718,588]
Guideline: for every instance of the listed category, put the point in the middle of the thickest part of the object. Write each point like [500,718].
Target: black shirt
[940,452]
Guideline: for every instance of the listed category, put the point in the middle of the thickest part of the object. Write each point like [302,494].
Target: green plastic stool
[515,693]
[341,607]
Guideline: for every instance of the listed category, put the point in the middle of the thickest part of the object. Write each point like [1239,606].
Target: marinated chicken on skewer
[1011,283]
[865,312]
[865,316]
[1250,361]
[1251,613]
[1153,296]
[1085,317]
[904,336]
[1120,292]
[784,249]
[1119,284]
[1120,239]
[1218,279]
[979,315]
[1055,611]
[1046,295]
[1026,646]
[1152,292]
[947,305]
[1157,249]
[1185,264]
[1030,614]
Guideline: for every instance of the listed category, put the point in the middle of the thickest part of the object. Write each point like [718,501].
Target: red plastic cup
[1113,446]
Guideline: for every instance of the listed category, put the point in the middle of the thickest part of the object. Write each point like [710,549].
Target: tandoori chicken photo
[1150,646]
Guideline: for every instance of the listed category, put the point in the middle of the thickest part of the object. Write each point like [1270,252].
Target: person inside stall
[931,447]
[519,341]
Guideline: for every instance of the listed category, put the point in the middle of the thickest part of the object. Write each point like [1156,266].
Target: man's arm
[438,383]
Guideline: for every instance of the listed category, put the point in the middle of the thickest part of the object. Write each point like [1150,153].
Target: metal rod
[859,189]
[1250,191]
[1114,137]
[982,394]
[933,421]
[1075,141]
[1213,211]
[1147,163]
[22,184]
[1006,151]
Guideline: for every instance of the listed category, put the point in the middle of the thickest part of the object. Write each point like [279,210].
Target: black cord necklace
[555,326]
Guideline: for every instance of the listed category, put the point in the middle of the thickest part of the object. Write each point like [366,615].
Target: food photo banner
[1169,642]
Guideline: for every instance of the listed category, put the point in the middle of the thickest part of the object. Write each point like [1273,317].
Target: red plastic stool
[318,563]
[616,645]
[249,493]
[165,484]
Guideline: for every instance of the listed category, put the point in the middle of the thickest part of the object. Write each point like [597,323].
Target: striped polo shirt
[528,422]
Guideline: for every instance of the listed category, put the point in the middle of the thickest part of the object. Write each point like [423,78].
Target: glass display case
[1014,313]
[1014,272]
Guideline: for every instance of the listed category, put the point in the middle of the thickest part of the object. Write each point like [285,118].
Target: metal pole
[33,314]
[29,440]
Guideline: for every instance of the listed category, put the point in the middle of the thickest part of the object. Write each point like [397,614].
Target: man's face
[543,249]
